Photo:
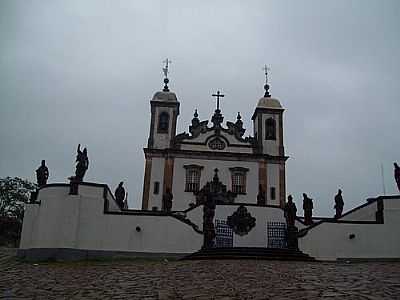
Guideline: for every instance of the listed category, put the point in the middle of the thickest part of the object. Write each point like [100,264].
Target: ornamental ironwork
[241,221]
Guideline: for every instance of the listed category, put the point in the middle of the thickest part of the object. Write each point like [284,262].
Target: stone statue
[120,195]
[290,211]
[42,174]
[261,199]
[82,163]
[167,200]
[397,175]
[339,204]
[308,207]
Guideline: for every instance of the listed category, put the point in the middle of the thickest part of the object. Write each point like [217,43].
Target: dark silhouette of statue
[308,207]
[120,195]
[290,211]
[82,164]
[42,174]
[261,199]
[339,203]
[167,200]
[397,175]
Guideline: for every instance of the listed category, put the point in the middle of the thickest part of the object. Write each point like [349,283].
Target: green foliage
[14,192]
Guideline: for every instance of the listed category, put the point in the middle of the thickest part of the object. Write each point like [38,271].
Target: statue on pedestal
[339,203]
[397,175]
[290,211]
[82,164]
[120,195]
[42,174]
[167,200]
[308,207]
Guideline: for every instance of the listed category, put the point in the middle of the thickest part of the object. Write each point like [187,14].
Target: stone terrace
[241,279]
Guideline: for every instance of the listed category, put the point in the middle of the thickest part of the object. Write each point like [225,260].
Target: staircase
[249,253]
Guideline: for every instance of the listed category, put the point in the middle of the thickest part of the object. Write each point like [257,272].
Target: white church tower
[268,132]
[251,168]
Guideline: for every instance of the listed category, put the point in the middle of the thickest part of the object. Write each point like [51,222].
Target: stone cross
[218,95]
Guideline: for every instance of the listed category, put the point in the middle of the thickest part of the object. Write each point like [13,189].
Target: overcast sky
[84,72]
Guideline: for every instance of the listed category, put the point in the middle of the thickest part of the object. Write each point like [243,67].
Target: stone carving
[339,203]
[167,200]
[290,211]
[42,174]
[241,221]
[261,198]
[397,175]
[236,128]
[209,233]
[308,207]
[82,164]
[120,195]
[217,144]
[218,191]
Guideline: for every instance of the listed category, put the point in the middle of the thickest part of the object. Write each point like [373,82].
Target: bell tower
[268,132]
[164,115]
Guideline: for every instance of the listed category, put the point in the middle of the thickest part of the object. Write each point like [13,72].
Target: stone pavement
[230,279]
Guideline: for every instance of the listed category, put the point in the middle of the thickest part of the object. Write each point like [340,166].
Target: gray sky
[84,71]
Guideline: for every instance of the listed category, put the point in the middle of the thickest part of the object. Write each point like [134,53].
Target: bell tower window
[270,129]
[163,123]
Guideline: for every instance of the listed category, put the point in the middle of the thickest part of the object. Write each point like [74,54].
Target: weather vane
[166,71]
[266,86]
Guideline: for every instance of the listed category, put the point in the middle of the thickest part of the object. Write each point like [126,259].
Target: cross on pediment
[218,95]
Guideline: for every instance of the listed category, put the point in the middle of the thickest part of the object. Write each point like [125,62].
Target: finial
[239,117]
[266,86]
[166,71]
[195,113]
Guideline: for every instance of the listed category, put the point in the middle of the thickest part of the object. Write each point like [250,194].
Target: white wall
[157,174]
[78,222]
[273,181]
[257,237]
[330,241]
[182,199]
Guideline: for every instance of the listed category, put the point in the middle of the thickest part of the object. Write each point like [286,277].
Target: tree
[14,192]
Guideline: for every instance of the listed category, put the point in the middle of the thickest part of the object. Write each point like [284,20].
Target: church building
[252,167]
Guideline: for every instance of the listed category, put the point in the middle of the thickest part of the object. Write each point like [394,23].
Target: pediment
[215,138]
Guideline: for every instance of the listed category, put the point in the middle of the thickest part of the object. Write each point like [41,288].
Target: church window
[270,129]
[156,187]
[272,193]
[163,122]
[238,176]
[193,174]
[217,144]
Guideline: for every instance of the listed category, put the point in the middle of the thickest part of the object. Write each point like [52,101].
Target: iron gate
[276,235]
[224,235]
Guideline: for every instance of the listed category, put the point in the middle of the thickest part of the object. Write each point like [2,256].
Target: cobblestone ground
[231,279]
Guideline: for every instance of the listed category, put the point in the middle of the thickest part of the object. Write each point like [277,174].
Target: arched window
[270,129]
[163,122]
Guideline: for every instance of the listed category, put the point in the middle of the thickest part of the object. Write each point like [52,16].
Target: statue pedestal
[73,186]
[292,242]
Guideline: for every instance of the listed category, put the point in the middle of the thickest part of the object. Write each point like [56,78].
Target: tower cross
[165,69]
[218,95]
[266,69]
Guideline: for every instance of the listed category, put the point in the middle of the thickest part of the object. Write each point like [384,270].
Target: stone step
[250,253]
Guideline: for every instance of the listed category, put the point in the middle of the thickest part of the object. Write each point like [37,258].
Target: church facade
[252,167]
